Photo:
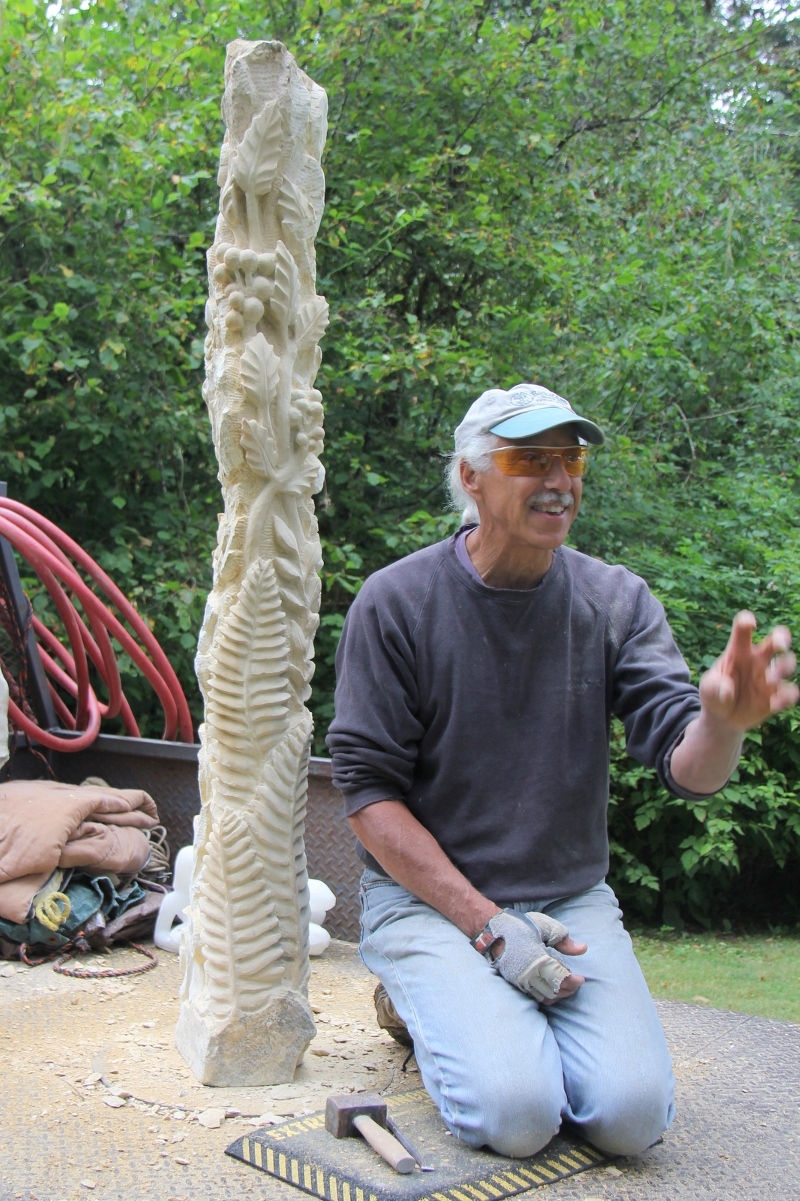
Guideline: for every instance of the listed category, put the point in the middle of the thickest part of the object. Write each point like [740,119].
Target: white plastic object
[318,939]
[165,936]
[321,899]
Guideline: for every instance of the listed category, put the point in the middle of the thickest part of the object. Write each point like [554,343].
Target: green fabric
[86,895]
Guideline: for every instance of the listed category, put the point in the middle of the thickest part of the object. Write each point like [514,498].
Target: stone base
[248,1048]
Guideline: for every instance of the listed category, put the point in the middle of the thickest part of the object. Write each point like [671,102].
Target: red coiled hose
[53,556]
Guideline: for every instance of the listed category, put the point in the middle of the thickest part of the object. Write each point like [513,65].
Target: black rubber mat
[303,1153]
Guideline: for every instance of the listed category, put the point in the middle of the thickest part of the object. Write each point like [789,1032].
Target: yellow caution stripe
[519,1177]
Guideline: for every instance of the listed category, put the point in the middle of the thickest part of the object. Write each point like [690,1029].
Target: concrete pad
[737,1134]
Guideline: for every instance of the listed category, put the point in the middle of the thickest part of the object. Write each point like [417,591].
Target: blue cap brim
[536,421]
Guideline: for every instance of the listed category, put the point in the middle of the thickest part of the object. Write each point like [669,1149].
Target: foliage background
[602,197]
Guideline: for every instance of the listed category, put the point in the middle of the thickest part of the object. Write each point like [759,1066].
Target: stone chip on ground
[286,1092]
[212,1119]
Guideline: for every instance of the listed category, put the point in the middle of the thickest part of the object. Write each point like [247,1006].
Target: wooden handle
[385,1144]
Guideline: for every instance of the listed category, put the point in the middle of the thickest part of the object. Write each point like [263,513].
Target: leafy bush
[733,857]
[600,197]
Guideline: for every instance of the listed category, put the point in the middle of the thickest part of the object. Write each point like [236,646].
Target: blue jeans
[502,1070]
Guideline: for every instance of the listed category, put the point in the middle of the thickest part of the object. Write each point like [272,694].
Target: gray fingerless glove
[551,930]
[525,962]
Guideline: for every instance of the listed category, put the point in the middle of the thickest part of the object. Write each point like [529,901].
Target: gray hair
[474,451]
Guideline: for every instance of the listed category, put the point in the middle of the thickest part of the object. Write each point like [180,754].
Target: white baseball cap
[523,410]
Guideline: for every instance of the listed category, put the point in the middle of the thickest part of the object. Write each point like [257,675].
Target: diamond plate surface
[331,851]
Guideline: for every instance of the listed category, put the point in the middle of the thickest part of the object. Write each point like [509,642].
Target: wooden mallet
[365,1114]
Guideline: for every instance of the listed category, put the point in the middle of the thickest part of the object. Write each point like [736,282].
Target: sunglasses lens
[575,461]
[537,461]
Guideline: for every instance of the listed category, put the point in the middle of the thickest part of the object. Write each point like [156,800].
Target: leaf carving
[278,823]
[228,204]
[260,368]
[246,707]
[301,874]
[300,644]
[312,321]
[287,570]
[259,448]
[239,924]
[256,159]
[284,536]
[292,205]
[304,480]
[284,296]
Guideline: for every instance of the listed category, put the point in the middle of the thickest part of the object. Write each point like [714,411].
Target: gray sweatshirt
[487,710]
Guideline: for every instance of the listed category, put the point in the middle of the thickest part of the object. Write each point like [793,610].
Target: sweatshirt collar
[472,579]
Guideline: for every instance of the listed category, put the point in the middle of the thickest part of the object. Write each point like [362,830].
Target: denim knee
[629,1116]
[513,1120]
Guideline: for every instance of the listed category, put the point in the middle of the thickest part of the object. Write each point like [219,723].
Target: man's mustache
[553,498]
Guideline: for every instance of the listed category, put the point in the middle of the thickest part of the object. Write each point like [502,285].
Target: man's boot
[389,1019]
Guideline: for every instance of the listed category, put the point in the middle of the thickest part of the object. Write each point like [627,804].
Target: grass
[746,973]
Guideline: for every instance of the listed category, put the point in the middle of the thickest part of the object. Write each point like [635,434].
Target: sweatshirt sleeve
[374,736]
[652,689]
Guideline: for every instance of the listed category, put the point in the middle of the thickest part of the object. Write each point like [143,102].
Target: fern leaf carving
[256,159]
[241,937]
[278,819]
[247,703]
[300,866]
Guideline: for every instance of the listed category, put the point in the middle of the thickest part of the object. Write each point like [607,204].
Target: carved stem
[253,220]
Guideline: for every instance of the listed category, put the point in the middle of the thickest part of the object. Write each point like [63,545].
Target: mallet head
[340,1112]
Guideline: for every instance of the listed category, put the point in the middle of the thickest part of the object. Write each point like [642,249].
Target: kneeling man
[476,680]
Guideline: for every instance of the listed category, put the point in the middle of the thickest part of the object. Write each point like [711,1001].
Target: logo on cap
[530,400]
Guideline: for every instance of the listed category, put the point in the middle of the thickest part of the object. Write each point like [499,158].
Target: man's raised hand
[748,683]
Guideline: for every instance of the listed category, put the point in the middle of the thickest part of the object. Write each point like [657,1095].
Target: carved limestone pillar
[244,1016]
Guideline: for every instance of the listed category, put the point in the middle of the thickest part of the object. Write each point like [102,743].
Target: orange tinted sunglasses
[537,460]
